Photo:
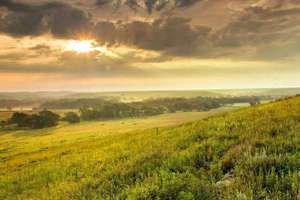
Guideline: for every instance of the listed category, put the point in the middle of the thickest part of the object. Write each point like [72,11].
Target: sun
[80,46]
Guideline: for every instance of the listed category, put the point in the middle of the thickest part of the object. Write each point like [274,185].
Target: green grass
[28,140]
[252,153]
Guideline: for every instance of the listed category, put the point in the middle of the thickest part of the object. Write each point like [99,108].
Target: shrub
[3,123]
[21,119]
[71,117]
[45,119]
[41,120]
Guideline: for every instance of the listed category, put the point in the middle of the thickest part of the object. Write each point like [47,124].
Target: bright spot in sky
[86,46]
[80,46]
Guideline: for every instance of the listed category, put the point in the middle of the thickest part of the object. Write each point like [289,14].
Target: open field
[149,99]
[74,133]
[252,153]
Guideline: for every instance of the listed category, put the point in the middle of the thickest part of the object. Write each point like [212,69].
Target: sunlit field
[85,131]
[252,153]
[150,100]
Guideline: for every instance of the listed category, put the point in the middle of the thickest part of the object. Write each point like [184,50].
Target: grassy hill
[252,153]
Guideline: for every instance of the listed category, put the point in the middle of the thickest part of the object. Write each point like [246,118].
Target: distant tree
[35,109]
[254,102]
[41,120]
[46,119]
[71,117]
[21,119]
[87,113]
[3,123]
[36,122]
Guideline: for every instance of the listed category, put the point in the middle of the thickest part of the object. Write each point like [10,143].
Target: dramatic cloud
[151,38]
[149,5]
[174,35]
[252,26]
[59,19]
[261,28]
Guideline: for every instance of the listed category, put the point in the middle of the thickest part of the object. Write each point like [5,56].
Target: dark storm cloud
[116,4]
[269,23]
[174,35]
[185,3]
[15,6]
[272,24]
[102,2]
[149,5]
[164,34]
[59,19]
[257,24]
[261,29]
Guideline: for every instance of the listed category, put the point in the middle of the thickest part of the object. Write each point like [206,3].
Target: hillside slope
[253,153]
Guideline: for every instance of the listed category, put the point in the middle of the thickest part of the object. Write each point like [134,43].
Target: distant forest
[94,109]
[13,103]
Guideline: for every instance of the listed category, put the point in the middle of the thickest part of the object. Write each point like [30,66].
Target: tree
[36,122]
[41,120]
[46,119]
[254,102]
[71,117]
[3,123]
[21,119]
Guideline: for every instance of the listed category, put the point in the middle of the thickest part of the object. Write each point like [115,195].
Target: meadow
[249,153]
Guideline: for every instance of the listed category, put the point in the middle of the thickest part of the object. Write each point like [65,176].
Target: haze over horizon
[146,90]
[122,45]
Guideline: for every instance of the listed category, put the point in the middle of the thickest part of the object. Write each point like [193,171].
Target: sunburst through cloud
[149,99]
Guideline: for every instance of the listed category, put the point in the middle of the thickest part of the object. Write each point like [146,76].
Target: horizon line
[146,90]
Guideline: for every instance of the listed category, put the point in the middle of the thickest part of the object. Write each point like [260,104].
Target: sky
[114,45]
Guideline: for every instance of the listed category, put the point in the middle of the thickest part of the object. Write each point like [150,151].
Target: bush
[41,120]
[21,119]
[45,119]
[71,117]
[3,123]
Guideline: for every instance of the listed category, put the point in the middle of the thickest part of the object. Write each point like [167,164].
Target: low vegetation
[252,153]
[42,119]
[71,117]
[113,110]
[75,103]
[100,109]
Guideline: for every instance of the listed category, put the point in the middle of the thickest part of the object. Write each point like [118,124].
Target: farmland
[248,153]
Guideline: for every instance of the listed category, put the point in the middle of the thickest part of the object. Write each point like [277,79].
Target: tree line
[99,109]
[73,103]
[199,103]
[39,120]
[107,110]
